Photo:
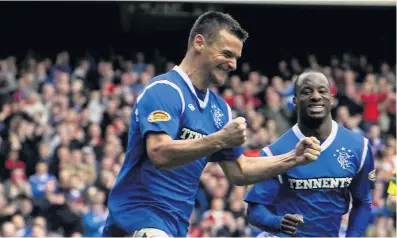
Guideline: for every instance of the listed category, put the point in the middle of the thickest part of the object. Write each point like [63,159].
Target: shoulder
[283,144]
[357,142]
[166,80]
[164,85]
[350,136]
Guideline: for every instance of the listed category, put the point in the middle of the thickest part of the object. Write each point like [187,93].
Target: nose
[316,95]
[233,64]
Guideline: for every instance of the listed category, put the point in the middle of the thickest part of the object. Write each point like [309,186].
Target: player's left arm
[242,170]
[249,170]
[361,191]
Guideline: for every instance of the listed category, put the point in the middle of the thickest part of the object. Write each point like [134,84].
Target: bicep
[154,140]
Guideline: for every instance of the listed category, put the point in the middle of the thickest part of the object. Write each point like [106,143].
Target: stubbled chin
[219,77]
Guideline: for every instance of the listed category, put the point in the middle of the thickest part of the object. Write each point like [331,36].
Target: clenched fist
[290,224]
[307,150]
[234,133]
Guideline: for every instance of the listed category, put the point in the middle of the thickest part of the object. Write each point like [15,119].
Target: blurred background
[70,73]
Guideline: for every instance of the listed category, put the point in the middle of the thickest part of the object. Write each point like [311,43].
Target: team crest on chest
[217,115]
[344,156]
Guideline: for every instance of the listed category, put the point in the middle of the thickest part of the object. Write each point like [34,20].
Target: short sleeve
[159,108]
[229,154]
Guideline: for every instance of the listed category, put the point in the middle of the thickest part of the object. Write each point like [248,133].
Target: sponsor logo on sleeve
[157,116]
[372,175]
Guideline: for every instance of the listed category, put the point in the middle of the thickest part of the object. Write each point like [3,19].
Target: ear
[332,101]
[199,42]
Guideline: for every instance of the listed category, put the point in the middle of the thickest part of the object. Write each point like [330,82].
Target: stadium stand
[63,138]
[64,119]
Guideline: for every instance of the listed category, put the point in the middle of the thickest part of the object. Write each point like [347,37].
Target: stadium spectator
[39,180]
[8,229]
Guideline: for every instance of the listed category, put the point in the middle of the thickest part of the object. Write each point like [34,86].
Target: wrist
[274,223]
[277,222]
[299,160]
[217,140]
[290,157]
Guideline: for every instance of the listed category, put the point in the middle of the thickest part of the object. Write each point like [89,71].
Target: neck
[321,130]
[191,67]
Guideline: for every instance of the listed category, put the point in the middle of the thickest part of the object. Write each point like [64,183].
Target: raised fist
[234,133]
[307,150]
[290,223]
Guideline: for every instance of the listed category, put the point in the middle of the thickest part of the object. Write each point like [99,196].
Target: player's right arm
[261,212]
[159,111]
[361,193]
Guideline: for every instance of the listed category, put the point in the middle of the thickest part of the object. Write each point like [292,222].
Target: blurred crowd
[64,130]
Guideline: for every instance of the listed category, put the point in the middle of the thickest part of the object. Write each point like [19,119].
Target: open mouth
[222,71]
[316,108]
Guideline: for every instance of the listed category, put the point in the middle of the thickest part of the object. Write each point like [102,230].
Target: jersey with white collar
[320,191]
[145,197]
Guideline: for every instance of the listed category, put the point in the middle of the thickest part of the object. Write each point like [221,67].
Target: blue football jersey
[144,197]
[321,191]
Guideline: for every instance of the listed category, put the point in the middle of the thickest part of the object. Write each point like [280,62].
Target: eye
[228,55]
[306,91]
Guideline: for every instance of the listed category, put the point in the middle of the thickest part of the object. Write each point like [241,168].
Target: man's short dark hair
[210,23]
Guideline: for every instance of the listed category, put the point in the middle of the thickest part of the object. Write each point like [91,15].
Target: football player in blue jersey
[177,126]
[310,200]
